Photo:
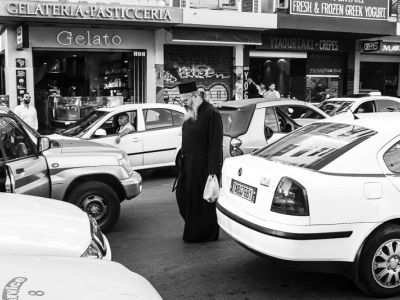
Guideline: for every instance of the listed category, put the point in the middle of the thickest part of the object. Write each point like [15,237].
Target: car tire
[98,200]
[380,263]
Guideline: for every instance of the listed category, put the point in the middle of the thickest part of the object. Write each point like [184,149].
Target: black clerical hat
[187,87]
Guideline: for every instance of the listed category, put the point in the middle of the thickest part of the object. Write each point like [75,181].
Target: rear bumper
[132,185]
[301,245]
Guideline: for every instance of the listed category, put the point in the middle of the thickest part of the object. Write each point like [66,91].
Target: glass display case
[66,110]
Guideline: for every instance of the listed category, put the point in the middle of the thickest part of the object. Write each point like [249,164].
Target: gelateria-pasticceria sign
[66,10]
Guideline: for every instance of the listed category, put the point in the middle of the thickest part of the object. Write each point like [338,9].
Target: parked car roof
[381,121]
[261,102]
[141,105]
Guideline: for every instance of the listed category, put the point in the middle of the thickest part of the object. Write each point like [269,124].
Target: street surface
[147,240]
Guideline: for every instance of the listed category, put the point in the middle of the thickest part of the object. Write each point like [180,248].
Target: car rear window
[236,120]
[334,107]
[316,145]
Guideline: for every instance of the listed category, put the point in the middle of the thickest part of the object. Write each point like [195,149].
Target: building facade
[72,56]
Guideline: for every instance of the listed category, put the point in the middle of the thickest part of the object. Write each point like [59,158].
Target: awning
[210,36]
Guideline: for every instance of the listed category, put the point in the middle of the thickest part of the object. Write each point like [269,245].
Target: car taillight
[290,198]
[234,148]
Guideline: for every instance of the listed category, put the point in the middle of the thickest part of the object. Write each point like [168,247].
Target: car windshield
[334,107]
[236,120]
[83,125]
[315,145]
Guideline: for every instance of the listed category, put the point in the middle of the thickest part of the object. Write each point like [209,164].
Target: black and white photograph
[199,149]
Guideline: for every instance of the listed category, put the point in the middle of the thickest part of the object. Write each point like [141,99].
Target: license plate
[243,190]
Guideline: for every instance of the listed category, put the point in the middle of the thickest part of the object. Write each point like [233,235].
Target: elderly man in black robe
[201,156]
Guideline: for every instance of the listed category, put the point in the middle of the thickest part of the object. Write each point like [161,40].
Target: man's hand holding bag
[211,190]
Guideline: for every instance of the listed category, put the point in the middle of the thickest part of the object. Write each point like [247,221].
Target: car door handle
[135,140]
[19,171]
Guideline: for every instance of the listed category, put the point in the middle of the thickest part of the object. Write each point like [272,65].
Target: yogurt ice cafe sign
[356,9]
[67,10]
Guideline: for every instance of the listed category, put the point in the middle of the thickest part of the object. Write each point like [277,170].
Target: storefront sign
[20,62]
[386,48]
[87,11]
[67,38]
[76,38]
[298,44]
[356,9]
[325,64]
[371,46]
[21,84]
[22,37]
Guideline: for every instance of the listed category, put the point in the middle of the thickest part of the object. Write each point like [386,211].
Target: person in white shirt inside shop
[27,112]
[272,93]
[124,126]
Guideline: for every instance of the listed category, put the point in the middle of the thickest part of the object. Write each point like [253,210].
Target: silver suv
[95,177]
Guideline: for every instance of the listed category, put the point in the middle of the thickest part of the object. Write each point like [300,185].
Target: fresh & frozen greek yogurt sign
[356,9]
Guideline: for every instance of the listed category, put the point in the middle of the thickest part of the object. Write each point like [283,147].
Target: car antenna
[354,116]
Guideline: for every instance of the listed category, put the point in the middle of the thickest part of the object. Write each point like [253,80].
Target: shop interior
[70,84]
[288,74]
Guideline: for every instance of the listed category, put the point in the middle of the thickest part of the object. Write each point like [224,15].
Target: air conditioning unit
[282,4]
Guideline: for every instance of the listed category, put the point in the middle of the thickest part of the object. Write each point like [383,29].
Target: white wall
[9,42]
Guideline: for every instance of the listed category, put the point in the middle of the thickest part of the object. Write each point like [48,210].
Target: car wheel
[98,200]
[380,263]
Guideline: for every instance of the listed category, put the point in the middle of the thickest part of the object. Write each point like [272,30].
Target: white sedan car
[253,123]
[32,225]
[326,196]
[66,278]
[360,103]
[154,143]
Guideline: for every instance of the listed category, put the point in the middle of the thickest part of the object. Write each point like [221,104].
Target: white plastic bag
[211,190]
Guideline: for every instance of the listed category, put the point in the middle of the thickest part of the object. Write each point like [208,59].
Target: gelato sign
[87,11]
[356,9]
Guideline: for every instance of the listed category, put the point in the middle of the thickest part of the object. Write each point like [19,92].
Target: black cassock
[201,155]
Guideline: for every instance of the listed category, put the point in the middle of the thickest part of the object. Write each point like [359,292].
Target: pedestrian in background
[272,94]
[27,112]
[201,156]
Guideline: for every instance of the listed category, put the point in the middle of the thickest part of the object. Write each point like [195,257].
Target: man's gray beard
[191,111]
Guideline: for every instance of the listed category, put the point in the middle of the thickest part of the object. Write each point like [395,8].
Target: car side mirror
[100,132]
[43,144]
[268,132]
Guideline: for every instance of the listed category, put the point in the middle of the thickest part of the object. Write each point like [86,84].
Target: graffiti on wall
[210,67]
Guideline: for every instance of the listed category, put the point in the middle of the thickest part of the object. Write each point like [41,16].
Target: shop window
[71,84]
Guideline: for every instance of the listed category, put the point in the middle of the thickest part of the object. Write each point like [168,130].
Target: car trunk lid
[250,191]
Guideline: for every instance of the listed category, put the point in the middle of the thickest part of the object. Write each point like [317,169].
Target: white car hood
[71,278]
[39,226]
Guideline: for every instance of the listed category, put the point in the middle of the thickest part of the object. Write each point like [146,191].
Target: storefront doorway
[378,76]
[69,84]
[288,74]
